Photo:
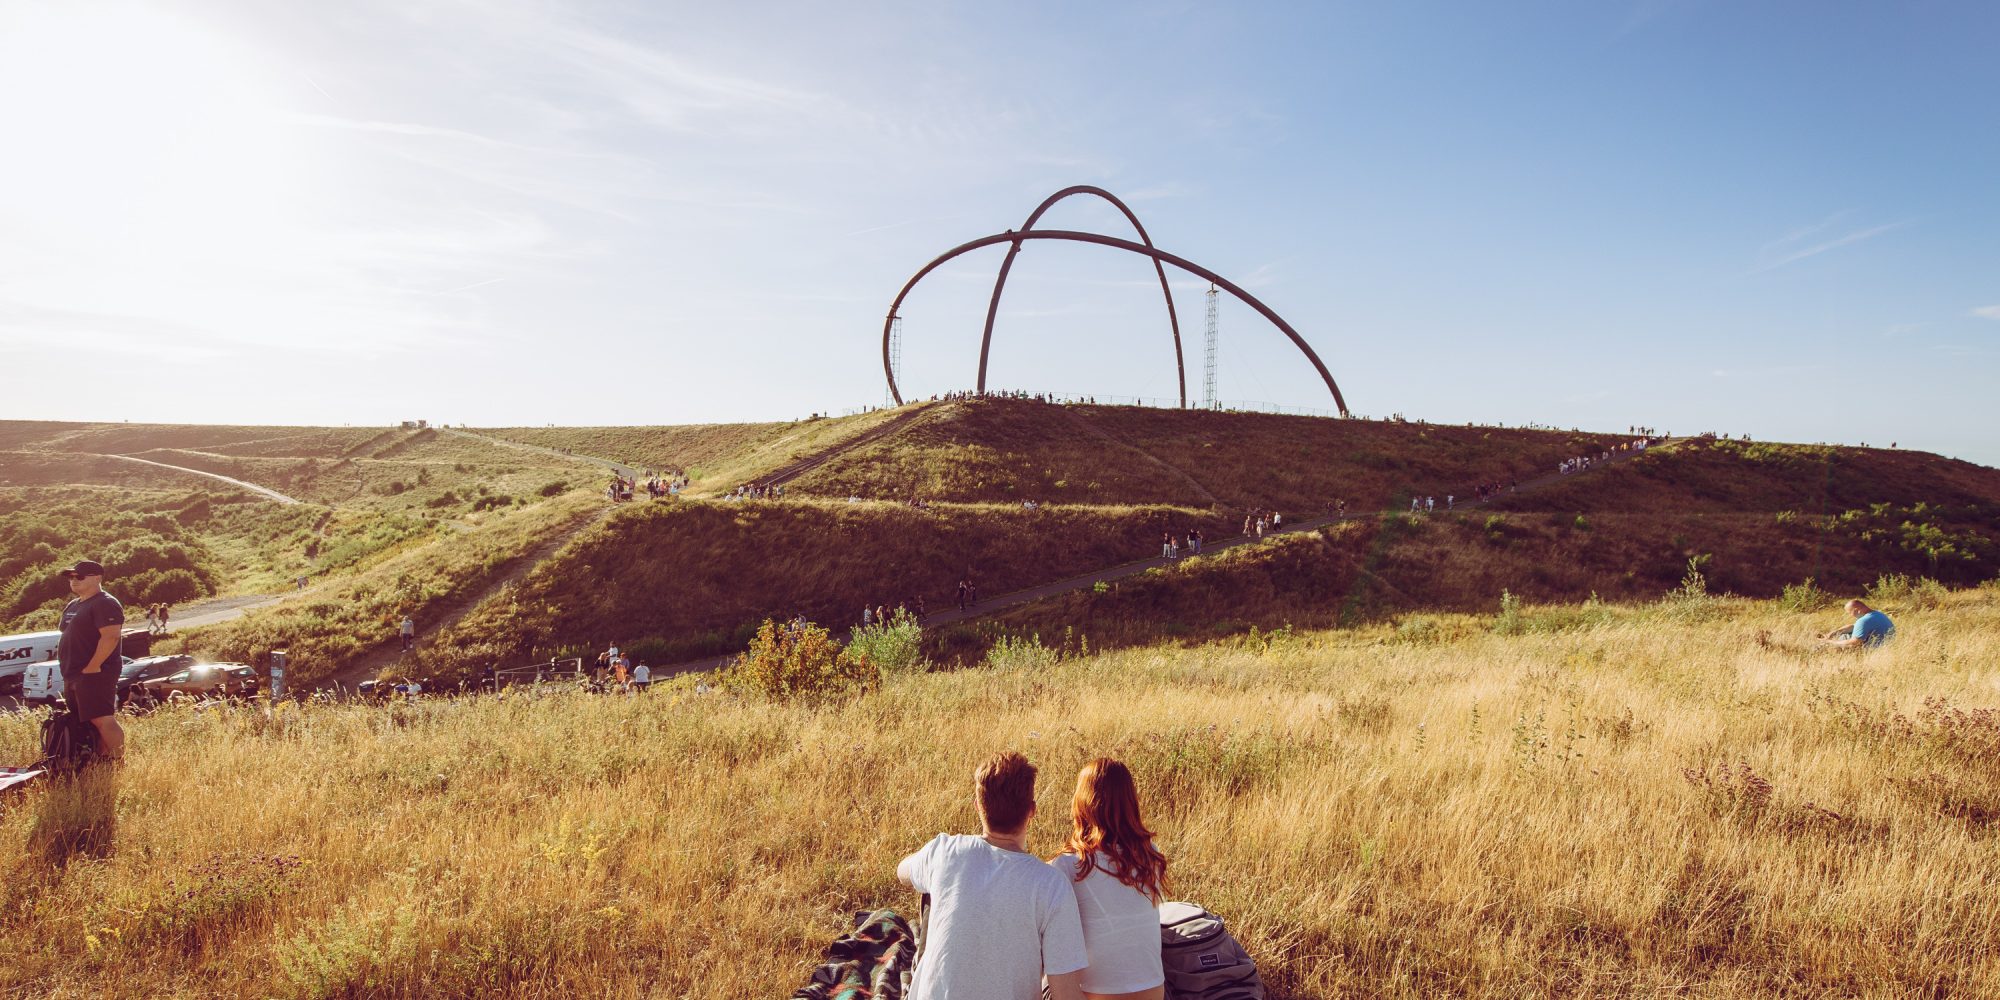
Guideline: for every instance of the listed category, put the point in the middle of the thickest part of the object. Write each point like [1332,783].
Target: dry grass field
[1674,799]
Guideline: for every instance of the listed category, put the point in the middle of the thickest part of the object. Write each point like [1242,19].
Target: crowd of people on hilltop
[1020,394]
[622,488]
[1580,463]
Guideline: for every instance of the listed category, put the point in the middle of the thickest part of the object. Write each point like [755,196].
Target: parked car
[149,668]
[204,680]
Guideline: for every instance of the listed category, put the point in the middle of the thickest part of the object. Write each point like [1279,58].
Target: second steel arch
[1158,255]
[1000,282]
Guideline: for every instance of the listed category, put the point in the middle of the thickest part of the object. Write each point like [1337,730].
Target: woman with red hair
[1119,878]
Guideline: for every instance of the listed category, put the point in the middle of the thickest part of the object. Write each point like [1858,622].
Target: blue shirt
[1873,627]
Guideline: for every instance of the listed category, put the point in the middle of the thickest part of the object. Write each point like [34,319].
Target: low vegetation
[1646,805]
[427,577]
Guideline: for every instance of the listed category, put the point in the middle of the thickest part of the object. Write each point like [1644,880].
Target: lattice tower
[1208,400]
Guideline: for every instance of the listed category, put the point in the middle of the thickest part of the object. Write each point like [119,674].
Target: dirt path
[252,487]
[862,440]
[618,467]
[1109,574]
[451,612]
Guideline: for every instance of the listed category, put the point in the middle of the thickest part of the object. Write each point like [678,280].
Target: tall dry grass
[1674,800]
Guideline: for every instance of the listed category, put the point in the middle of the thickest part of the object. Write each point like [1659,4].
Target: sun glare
[142,143]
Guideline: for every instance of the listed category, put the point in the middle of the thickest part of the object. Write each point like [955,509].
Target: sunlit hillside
[1670,799]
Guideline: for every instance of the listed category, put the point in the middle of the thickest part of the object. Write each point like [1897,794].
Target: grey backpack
[1203,962]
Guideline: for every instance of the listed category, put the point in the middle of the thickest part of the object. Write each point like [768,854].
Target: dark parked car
[149,668]
[205,680]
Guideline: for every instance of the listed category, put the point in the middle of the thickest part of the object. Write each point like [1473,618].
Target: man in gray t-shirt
[1000,919]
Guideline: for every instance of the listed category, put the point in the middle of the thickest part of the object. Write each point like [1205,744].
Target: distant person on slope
[1000,919]
[1870,628]
[408,630]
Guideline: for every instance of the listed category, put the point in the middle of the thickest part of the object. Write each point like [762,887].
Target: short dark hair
[1005,785]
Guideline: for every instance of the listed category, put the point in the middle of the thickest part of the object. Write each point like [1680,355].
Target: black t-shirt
[81,619]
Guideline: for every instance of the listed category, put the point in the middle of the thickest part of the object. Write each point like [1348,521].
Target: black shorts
[92,696]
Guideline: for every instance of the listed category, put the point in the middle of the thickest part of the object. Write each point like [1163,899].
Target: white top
[999,921]
[643,674]
[1121,931]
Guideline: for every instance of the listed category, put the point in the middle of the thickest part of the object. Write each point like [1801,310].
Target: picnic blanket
[872,962]
[12,776]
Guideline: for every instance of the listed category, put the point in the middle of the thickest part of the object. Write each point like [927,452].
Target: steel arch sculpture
[1159,256]
[1000,282]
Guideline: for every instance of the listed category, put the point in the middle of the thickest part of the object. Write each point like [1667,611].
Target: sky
[1775,219]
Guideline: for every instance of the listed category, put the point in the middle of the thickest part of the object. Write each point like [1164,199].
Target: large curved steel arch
[1108,241]
[1000,283]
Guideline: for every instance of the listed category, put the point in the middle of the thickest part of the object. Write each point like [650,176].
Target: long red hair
[1106,831]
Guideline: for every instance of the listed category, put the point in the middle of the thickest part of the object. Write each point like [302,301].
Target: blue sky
[1774,219]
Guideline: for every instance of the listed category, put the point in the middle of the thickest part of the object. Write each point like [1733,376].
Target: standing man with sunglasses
[92,630]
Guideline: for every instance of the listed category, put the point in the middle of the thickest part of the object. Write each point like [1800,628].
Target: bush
[894,647]
[445,499]
[553,488]
[492,502]
[1805,597]
[1022,653]
[797,663]
[1509,622]
[1921,593]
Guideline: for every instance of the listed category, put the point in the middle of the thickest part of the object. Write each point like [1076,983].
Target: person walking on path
[408,630]
[164,608]
[93,625]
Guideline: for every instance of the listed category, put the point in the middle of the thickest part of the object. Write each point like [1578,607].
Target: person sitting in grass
[1000,919]
[1870,628]
[1117,875]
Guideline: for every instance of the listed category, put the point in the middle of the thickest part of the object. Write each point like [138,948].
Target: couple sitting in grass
[1002,921]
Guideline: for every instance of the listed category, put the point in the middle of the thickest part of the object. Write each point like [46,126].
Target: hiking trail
[451,611]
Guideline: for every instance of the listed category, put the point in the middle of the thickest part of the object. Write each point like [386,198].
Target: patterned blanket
[873,962]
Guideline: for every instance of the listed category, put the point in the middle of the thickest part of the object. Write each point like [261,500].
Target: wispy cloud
[1987,312]
[1811,241]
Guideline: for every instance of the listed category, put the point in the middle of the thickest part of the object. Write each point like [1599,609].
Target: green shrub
[1021,653]
[553,488]
[1899,589]
[894,647]
[802,663]
[1805,597]
[1509,622]
[445,499]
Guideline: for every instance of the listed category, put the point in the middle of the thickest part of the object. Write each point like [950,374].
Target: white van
[17,651]
[28,647]
[43,683]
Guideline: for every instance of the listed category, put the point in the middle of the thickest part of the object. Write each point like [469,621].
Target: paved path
[219,610]
[252,487]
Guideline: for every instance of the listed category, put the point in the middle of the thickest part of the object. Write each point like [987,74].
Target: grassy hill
[692,578]
[1676,801]
[998,450]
